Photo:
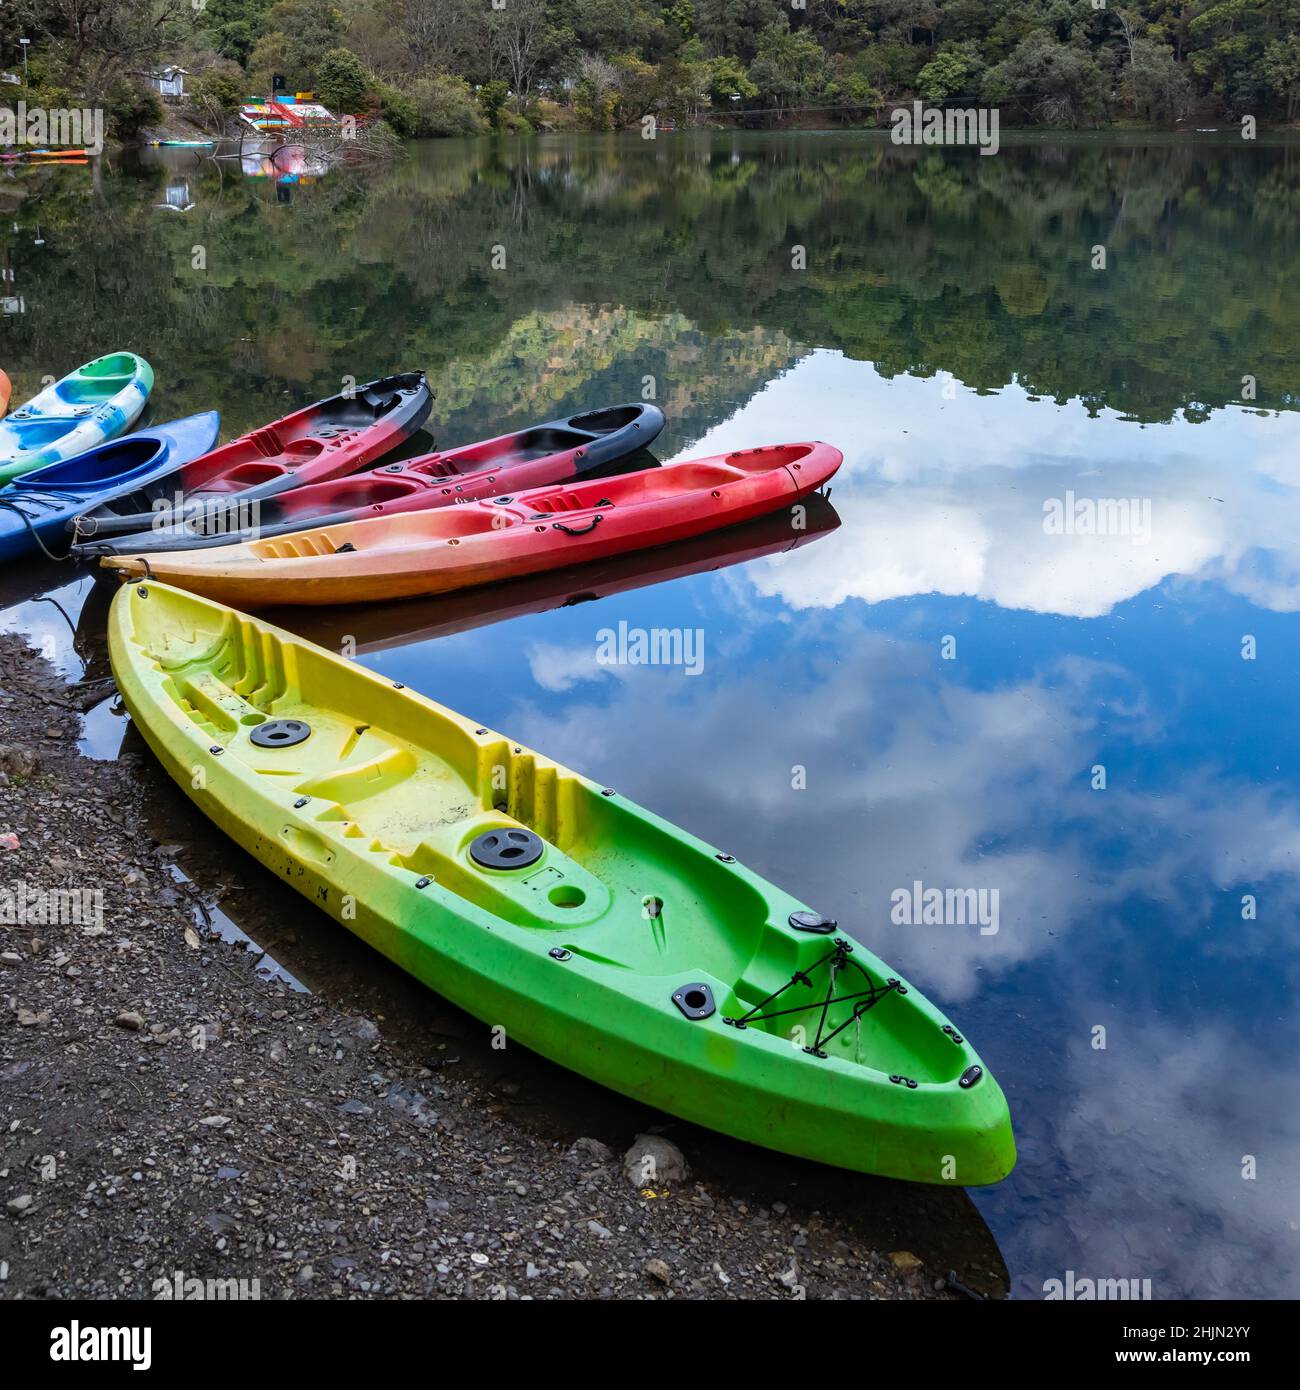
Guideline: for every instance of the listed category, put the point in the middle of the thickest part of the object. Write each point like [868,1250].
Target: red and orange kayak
[332,438]
[433,552]
[6,390]
[383,626]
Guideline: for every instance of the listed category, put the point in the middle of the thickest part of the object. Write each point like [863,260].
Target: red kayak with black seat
[330,439]
[448,548]
[550,453]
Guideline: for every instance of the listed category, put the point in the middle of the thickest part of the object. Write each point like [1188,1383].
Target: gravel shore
[173,1110]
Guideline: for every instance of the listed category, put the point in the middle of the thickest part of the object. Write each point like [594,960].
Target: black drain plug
[280,733]
[512,848]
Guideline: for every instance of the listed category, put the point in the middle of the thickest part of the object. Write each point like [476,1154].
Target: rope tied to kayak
[38,499]
[838,959]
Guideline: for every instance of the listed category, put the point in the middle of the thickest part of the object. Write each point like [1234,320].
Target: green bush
[856,95]
[492,102]
[129,108]
[1154,85]
[891,68]
[444,105]
[216,95]
[43,90]
[398,108]
[728,82]
[342,81]
[233,25]
[956,70]
[548,114]
[594,104]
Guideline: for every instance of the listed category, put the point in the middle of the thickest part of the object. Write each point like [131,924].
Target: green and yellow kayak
[545,904]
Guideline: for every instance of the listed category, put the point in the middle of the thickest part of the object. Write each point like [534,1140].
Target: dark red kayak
[327,440]
[555,452]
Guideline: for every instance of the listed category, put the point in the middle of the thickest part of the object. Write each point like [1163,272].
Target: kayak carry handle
[577,530]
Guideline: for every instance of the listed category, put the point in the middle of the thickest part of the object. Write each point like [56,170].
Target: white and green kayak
[94,404]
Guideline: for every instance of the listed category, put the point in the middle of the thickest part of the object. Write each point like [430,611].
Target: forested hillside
[434,67]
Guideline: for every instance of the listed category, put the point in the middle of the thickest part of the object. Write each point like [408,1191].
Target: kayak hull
[435,552]
[541,455]
[592,955]
[96,403]
[36,509]
[329,439]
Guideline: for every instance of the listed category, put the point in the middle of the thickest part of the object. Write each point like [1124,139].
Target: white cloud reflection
[946,496]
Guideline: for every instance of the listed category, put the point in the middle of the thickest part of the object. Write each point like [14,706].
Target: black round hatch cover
[509,848]
[281,733]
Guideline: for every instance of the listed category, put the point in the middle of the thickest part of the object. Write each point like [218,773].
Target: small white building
[168,82]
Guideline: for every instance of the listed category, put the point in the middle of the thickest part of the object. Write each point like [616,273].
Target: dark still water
[962,684]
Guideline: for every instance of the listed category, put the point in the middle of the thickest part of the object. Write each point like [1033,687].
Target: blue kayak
[35,510]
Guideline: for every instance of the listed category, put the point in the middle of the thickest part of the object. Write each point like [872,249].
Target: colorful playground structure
[283,114]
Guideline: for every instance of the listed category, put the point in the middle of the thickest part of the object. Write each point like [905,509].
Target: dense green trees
[607,63]
[954,72]
[233,26]
[673,259]
[1281,71]
[296,36]
[1229,43]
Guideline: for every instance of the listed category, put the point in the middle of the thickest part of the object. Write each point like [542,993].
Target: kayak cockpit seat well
[360,490]
[516,448]
[616,417]
[108,375]
[608,880]
[767,457]
[629,489]
[244,475]
[417,787]
[102,467]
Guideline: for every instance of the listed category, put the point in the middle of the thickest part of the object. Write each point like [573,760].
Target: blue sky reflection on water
[1119,909]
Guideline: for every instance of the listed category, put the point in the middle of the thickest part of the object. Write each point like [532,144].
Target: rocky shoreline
[178,1121]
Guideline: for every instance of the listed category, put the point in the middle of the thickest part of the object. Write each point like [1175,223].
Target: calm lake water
[954,677]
